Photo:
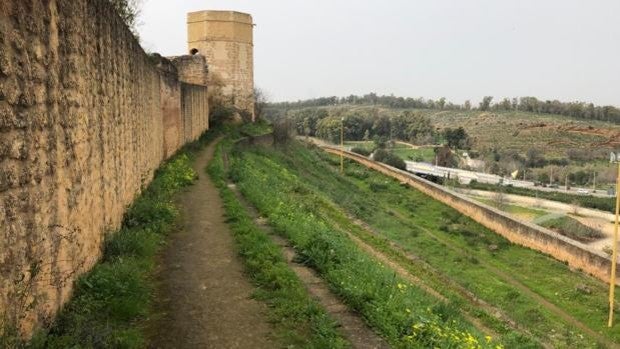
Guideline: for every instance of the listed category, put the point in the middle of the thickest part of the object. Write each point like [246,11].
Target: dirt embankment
[611,136]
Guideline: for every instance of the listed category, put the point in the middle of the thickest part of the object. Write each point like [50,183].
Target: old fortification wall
[226,38]
[85,119]
[577,255]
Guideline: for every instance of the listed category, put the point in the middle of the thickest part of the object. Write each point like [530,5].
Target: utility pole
[551,176]
[594,185]
[615,158]
[342,145]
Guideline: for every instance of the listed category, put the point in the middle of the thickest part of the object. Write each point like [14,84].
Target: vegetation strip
[354,329]
[405,315]
[543,301]
[112,302]
[401,261]
[399,213]
[300,321]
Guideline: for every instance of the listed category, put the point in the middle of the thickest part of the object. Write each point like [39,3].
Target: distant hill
[510,139]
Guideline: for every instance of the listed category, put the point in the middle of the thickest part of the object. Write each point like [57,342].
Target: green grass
[529,214]
[455,246]
[299,321]
[403,151]
[419,154]
[258,128]
[111,303]
[572,228]
[403,313]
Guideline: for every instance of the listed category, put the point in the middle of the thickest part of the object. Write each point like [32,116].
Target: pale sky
[458,49]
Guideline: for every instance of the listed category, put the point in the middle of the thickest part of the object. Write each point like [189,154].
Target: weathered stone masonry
[85,119]
[226,38]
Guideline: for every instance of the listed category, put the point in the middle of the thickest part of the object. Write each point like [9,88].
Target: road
[466,177]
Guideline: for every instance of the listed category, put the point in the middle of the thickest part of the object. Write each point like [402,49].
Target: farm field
[461,276]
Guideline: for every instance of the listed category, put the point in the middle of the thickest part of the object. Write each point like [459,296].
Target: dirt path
[204,293]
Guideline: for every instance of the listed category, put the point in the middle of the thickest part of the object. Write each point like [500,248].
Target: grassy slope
[526,213]
[459,248]
[299,320]
[402,312]
[574,229]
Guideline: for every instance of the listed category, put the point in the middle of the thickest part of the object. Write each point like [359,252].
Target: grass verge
[299,320]
[510,277]
[573,229]
[403,313]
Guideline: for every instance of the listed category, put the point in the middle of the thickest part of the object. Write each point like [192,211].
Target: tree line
[363,125]
[580,110]
[371,124]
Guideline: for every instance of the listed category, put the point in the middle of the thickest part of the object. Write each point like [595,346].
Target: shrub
[390,159]
[573,229]
[361,151]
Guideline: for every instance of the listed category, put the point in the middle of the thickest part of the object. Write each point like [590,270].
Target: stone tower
[225,38]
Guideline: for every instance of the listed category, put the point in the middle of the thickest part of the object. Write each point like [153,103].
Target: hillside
[563,144]
[406,262]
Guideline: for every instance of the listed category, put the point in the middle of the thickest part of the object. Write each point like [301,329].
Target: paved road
[466,177]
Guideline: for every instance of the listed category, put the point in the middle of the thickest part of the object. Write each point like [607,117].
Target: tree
[467,105]
[382,126]
[486,103]
[128,10]
[260,101]
[444,157]
[366,135]
[505,104]
[456,138]
[441,103]
[329,129]
[535,158]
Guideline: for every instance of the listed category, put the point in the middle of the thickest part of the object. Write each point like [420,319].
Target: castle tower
[225,38]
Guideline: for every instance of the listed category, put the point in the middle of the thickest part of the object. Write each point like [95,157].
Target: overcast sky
[458,49]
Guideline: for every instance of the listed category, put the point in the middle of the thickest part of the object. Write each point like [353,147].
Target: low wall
[85,119]
[577,255]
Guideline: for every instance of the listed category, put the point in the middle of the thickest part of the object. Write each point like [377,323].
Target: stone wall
[192,69]
[85,119]
[576,254]
[170,95]
[195,110]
